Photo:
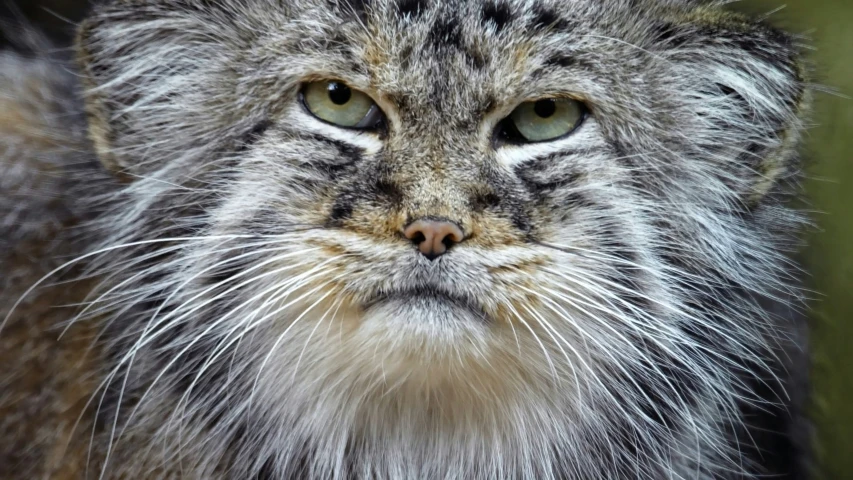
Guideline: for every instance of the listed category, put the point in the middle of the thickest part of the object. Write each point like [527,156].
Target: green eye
[542,120]
[336,103]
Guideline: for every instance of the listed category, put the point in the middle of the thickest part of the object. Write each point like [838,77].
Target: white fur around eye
[365,140]
[585,136]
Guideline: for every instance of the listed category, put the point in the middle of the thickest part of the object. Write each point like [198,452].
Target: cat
[399,239]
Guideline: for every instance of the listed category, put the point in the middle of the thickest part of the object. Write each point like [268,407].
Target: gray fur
[625,305]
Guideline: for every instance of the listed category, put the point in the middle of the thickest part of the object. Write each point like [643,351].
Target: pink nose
[433,237]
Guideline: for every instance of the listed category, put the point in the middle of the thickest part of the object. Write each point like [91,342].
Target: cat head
[552,208]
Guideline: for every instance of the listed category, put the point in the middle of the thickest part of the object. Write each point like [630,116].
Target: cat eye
[336,103]
[542,120]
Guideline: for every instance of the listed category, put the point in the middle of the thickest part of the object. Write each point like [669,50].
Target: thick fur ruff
[624,304]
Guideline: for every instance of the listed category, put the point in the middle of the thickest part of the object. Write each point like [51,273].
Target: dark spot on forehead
[561,61]
[446,32]
[475,59]
[405,57]
[354,9]
[497,14]
[411,8]
[545,18]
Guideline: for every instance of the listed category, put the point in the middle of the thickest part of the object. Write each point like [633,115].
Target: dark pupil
[339,93]
[545,108]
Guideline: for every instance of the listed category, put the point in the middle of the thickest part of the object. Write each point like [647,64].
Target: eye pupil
[339,93]
[545,108]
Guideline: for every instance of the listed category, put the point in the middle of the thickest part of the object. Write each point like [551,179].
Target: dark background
[56,18]
[829,258]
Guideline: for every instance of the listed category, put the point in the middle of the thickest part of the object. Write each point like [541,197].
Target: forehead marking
[446,32]
[357,9]
[545,18]
[411,8]
[497,13]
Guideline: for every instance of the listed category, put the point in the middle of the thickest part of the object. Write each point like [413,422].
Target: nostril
[449,241]
[433,237]
[451,235]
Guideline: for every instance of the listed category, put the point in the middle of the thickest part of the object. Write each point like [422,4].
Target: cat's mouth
[426,298]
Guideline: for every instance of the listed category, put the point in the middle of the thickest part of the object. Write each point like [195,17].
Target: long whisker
[607,351]
[289,327]
[215,324]
[675,310]
[336,305]
[100,252]
[551,332]
[518,316]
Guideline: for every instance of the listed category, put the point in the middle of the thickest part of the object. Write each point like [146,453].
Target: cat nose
[433,237]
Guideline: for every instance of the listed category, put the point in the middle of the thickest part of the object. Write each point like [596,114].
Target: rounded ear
[746,83]
[155,72]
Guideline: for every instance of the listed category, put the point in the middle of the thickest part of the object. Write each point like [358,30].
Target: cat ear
[746,85]
[155,72]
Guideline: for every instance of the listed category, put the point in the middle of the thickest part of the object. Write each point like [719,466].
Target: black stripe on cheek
[566,180]
[252,136]
[347,156]
[342,208]
[405,60]
[267,471]
[626,276]
[575,200]
[521,221]
[629,290]
[216,375]
[556,187]
[231,265]
[349,153]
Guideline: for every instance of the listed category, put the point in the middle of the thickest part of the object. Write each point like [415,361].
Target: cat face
[513,222]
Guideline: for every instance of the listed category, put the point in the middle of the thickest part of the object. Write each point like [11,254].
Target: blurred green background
[828,24]
[829,258]
[830,255]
